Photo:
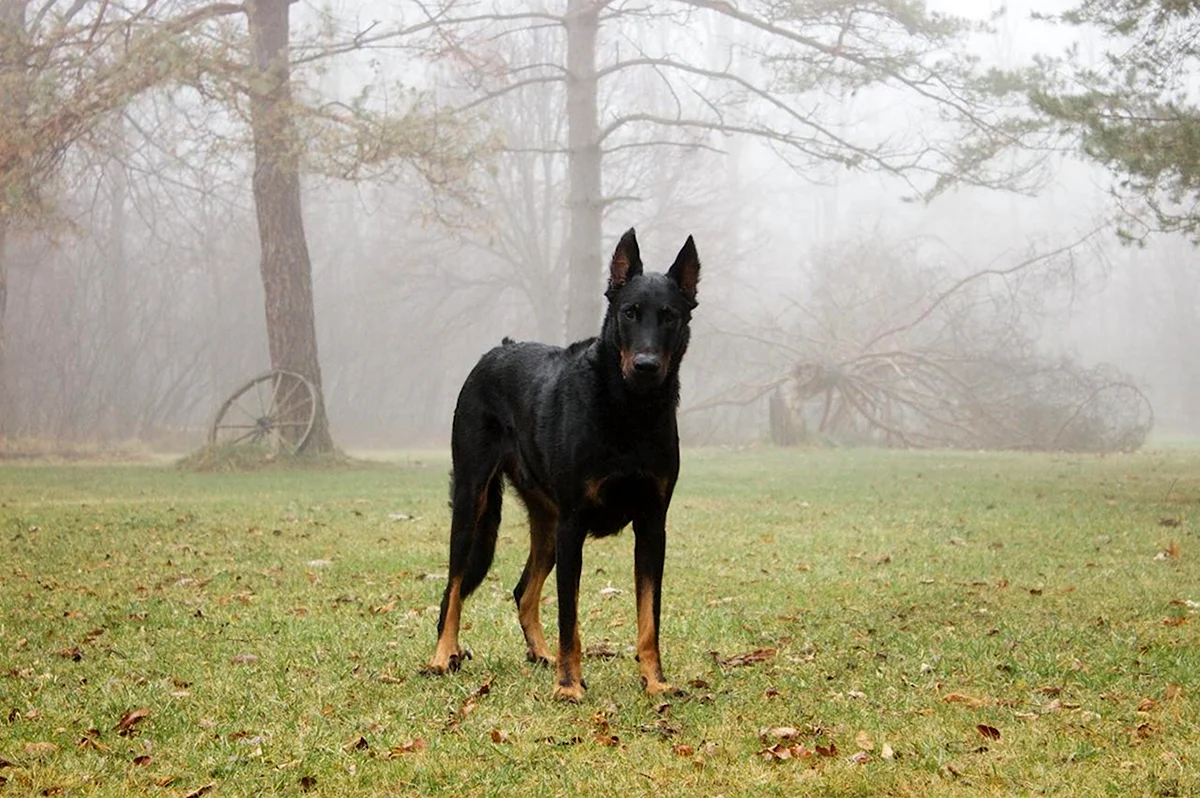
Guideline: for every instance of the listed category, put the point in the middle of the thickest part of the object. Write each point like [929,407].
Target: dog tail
[483,546]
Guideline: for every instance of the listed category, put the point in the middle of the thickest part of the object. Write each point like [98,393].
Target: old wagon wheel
[274,411]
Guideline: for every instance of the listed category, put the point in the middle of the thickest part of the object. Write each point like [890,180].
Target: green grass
[273,624]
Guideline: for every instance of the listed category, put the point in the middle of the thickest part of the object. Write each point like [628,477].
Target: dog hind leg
[475,518]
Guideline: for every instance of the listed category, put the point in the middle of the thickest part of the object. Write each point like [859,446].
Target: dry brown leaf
[990,732]
[609,740]
[1146,705]
[827,750]
[196,793]
[970,701]
[1172,692]
[414,746]
[778,733]
[782,753]
[860,757]
[40,748]
[358,743]
[130,719]
[500,737]
[601,650]
[682,750]
[743,660]
[142,760]
[308,782]
[864,741]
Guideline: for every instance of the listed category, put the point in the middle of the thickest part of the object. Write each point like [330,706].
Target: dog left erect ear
[686,270]
[626,262]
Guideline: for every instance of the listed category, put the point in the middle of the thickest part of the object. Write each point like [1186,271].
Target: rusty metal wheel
[273,412]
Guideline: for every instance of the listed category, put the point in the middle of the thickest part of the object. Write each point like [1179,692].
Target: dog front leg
[649,551]
[569,554]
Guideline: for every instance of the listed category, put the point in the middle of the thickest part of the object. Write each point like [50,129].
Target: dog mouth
[643,370]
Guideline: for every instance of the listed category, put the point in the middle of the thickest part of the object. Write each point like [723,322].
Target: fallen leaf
[165,781]
[358,743]
[743,660]
[74,653]
[601,650]
[40,749]
[682,750]
[782,753]
[142,760]
[196,793]
[1050,690]
[609,740]
[698,684]
[1146,705]
[990,732]
[414,746]
[1172,692]
[500,737]
[130,719]
[827,750]
[308,782]
[864,741]
[1168,522]
[860,757]
[1173,550]
[778,733]
[970,701]
[886,752]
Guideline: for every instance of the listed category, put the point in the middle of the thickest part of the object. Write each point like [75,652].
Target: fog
[138,308]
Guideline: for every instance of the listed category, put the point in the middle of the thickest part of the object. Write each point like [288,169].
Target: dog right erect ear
[626,262]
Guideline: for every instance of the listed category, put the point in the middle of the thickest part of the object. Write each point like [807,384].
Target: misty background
[142,308]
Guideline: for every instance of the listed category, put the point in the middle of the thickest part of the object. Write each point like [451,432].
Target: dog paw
[659,689]
[545,660]
[569,692]
[440,666]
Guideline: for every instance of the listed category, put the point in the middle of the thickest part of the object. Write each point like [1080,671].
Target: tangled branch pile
[887,358]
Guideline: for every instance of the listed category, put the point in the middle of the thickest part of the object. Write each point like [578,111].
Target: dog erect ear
[626,262]
[686,270]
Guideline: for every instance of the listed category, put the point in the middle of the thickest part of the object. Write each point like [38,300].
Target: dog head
[648,313]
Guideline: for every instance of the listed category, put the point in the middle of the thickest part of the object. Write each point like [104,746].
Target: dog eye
[670,315]
[630,312]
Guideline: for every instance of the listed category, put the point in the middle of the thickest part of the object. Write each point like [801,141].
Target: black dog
[588,438]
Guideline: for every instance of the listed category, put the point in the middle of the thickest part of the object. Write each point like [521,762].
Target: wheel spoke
[258,393]
[238,404]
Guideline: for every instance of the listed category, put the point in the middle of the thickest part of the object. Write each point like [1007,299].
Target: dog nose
[646,363]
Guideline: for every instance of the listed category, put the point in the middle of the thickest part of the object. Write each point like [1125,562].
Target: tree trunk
[285,264]
[13,99]
[585,197]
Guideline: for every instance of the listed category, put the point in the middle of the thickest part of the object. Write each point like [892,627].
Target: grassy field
[849,622]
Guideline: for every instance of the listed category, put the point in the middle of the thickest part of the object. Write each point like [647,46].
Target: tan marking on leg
[529,614]
[647,644]
[569,684]
[448,657]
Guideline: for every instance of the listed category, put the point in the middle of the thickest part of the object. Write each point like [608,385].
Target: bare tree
[787,66]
